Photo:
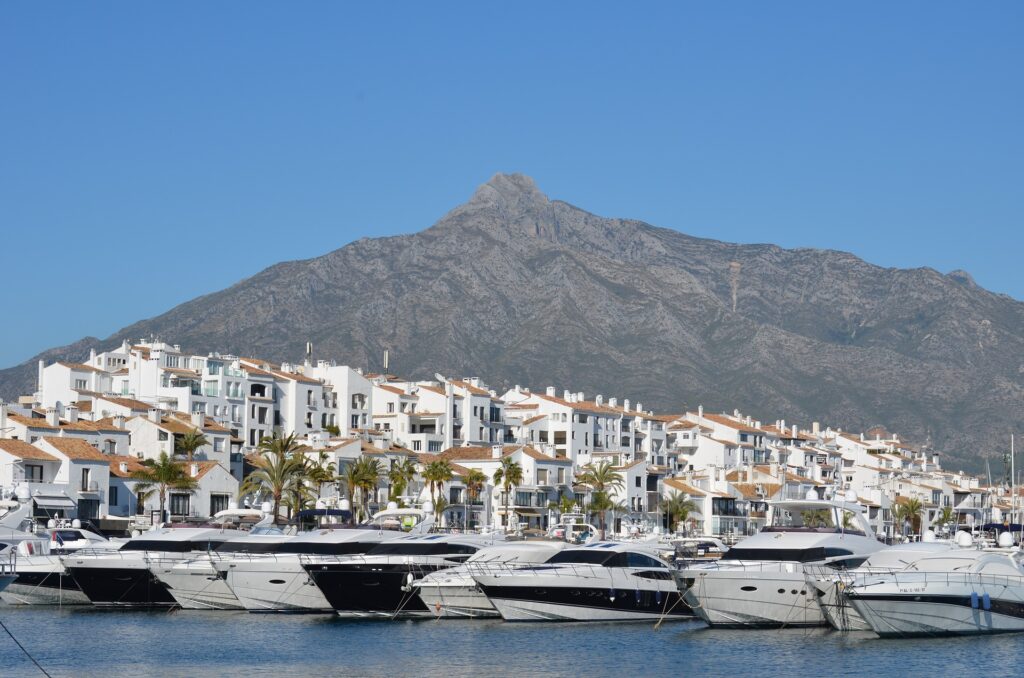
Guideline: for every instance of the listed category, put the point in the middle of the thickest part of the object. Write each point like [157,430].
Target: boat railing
[909,579]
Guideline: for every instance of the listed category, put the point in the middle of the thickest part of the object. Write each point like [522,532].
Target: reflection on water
[90,642]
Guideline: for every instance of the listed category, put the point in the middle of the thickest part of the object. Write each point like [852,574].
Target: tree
[602,479]
[947,515]
[910,511]
[369,474]
[279,467]
[160,476]
[565,504]
[509,474]
[188,443]
[475,481]
[678,509]
[437,473]
[401,476]
[321,471]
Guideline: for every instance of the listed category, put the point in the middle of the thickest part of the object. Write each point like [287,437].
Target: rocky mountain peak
[507,205]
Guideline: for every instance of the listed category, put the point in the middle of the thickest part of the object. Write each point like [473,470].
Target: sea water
[85,641]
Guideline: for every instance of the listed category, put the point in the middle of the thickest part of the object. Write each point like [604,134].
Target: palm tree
[947,515]
[401,476]
[509,474]
[475,481]
[602,479]
[910,511]
[565,504]
[678,509]
[321,471]
[437,473]
[279,468]
[369,474]
[188,443]
[160,476]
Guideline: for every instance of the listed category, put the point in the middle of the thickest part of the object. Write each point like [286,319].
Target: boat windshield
[825,519]
[811,555]
[586,557]
[420,549]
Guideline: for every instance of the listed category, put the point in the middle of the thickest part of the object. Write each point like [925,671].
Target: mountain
[517,288]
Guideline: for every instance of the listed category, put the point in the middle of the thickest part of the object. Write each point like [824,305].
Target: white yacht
[113,577]
[453,592]
[602,581]
[273,580]
[41,576]
[957,592]
[197,585]
[830,583]
[761,582]
[379,583]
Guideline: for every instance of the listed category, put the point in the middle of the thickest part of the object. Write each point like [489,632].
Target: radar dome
[392,505]
[1005,540]
[266,507]
[345,505]
[428,507]
[76,523]
[928,536]
[964,538]
[851,496]
[811,495]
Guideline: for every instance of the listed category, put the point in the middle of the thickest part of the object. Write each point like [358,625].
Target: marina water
[89,642]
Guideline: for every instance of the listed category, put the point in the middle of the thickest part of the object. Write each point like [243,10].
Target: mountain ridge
[519,288]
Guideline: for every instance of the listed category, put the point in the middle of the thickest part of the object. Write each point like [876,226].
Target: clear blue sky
[153,152]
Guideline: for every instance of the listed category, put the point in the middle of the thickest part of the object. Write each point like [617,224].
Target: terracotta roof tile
[76,448]
[22,450]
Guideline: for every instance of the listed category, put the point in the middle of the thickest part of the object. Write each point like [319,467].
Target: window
[113,496]
[80,383]
[416,445]
[391,408]
[218,503]
[180,504]
[218,444]
[434,446]
[33,473]
[355,421]
[638,481]
[86,476]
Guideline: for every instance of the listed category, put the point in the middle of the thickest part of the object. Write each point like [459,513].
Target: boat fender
[657,597]
[638,596]
[974,600]
[986,602]
[611,595]
[408,582]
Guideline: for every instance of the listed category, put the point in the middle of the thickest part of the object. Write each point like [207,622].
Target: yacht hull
[44,586]
[838,611]
[891,614]
[461,601]
[273,585]
[196,585]
[121,586]
[531,603]
[362,589]
[752,599]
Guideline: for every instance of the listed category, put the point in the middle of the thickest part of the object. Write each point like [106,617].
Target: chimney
[118,421]
[796,431]
[3,420]
[92,357]
[782,426]
[154,415]
[736,413]
[71,412]
[612,402]
[198,420]
[862,436]
[496,452]
[518,389]
[51,416]
[177,348]
[123,466]
[639,407]
[625,404]
[815,428]
[750,474]
[774,469]
[580,397]
[566,395]
[194,470]
[757,423]
[551,391]
[599,399]
[39,375]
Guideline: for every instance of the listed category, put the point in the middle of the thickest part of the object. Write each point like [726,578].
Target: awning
[530,511]
[54,502]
